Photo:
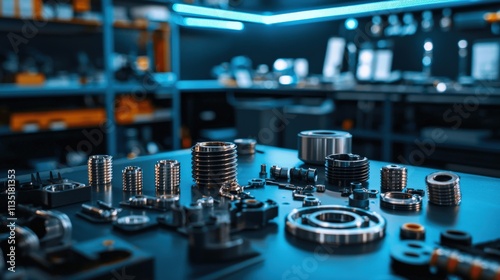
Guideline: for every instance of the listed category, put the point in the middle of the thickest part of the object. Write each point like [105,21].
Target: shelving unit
[109,89]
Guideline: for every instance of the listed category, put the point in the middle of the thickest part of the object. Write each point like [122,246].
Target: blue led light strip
[313,15]
[212,23]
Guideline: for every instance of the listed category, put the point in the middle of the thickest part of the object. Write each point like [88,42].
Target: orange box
[129,110]
[27,78]
[60,118]
[80,6]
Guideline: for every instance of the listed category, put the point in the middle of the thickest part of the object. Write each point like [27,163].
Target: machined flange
[335,224]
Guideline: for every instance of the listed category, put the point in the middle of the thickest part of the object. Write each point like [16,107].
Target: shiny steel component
[233,191]
[309,175]
[100,170]
[105,214]
[263,171]
[59,187]
[214,163]
[412,231]
[167,177]
[320,188]
[256,183]
[342,169]
[393,178]
[335,224]
[279,173]
[401,201]
[311,201]
[132,179]
[443,188]
[464,265]
[359,198]
[315,145]
[245,146]
[133,220]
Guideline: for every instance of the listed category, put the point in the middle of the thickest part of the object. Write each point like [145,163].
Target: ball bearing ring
[315,145]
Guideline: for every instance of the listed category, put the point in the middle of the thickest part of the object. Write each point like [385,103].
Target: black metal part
[256,183]
[162,203]
[320,188]
[252,214]
[281,185]
[279,173]
[309,175]
[360,199]
[311,201]
[263,171]
[346,192]
[212,242]
[342,169]
[373,193]
[101,258]
[455,238]
[411,259]
[52,192]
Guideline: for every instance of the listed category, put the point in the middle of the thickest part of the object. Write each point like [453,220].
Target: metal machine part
[342,169]
[443,188]
[335,224]
[133,220]
[263,171]
[393,178]
[132,179]
[286,186]
[100,170]
[214,164]
[411,258]
[360,199]
[455,238]
[300,193]
[415,191]
[167,177]
[279,173]
[252,213]
[162,203]
[464,265]
[309,175]
[373,193]
[233,191]
[51,192]
[401,201]
[320,188]
[53,228]
[256,183]
[310,201]
[98,214]
[356,186]
[245,146]
[212,242]
[412,231]
[315,145]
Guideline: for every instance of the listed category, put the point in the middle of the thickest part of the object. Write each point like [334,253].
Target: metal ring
[373,227]
[401,201]
[315,145]
[412,231]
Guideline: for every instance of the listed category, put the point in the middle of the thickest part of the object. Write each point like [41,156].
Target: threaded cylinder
[214,163]
[100,170]
[132,179]
[167,177]
[342,169]
[443,188]
[393,178]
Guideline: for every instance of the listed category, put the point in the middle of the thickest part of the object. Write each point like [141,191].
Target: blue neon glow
[312,15]
[213,23]
[351,23]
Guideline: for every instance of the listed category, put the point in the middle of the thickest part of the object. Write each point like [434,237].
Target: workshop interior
[237,139]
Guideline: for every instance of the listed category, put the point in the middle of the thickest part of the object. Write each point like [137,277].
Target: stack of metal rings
[401,201]
[214,163]
[245,146]
[342,169]
[100,170]
[443,188]
[393,178]
[167,177]
[132,179]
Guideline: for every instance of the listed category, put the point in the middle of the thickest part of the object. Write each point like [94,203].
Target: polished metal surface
[315,145]
[443,188]
[335,224]
[167,177]
[401,201]
[393,177]
[214,163]
[343,169]
[132,179]
[100,170]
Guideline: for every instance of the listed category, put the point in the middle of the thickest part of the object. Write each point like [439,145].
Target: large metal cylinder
[315,145]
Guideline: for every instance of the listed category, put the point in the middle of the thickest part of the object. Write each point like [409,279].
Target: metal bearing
[311,201]
[401,201]
[315,145]
[412,231]
[335,224]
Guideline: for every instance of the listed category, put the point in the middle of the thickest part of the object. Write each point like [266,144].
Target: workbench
[282,255]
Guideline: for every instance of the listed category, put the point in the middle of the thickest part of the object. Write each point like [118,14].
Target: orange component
[80,6]
[129,109]
[452,264]
[65,118]
[37,9]
[162,48]
[347,124]
[142,63]
[27,78]
[492,17]
[476,270]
